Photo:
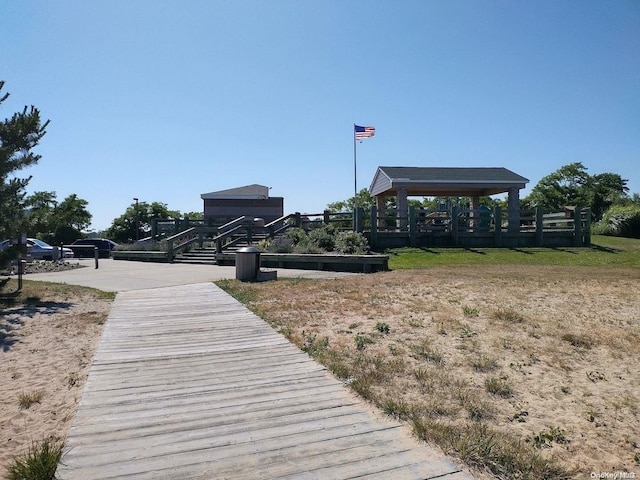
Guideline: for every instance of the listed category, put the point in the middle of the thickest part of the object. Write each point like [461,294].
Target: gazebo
[471,182]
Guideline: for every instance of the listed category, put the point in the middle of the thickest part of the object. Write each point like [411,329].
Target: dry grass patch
[25,400]
[488,359]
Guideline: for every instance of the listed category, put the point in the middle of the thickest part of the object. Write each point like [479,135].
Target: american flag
[364,132]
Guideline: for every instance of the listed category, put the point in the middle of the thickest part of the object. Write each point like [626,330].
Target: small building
[251,200]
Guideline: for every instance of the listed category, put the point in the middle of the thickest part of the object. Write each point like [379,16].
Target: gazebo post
[473,207]
[380,201]
[513,210]
[402,208]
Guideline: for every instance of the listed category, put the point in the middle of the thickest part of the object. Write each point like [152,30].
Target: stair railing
[182,240]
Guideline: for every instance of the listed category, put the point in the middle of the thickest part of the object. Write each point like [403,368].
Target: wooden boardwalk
[187,383]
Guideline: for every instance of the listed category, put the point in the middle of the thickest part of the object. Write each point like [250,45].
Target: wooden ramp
[188,383]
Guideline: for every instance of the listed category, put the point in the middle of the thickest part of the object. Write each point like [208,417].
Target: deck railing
[386,228]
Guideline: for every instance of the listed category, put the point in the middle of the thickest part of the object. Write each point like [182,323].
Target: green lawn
[604,252]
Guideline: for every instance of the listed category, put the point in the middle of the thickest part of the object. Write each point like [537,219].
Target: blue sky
[166,100]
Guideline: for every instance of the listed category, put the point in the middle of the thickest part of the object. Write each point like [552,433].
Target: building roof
[253,191]
[445,181]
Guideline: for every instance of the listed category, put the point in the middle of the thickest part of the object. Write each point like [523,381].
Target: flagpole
[355,170]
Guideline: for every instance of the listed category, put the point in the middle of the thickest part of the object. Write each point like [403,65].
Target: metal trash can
[247,264]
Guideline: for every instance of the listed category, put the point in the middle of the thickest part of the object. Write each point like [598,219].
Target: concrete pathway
[121,275]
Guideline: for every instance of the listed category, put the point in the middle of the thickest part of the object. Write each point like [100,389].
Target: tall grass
[38,463]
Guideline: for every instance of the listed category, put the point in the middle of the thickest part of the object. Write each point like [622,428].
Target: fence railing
[455,226]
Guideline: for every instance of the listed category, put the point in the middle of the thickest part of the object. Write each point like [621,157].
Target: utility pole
[137,220]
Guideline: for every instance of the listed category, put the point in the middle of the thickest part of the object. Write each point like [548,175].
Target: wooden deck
[187,383]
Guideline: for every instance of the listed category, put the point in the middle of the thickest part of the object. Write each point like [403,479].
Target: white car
[39,250]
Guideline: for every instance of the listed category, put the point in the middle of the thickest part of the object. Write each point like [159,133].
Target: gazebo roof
[445,181]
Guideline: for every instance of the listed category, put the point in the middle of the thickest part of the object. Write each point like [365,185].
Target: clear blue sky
[166,100]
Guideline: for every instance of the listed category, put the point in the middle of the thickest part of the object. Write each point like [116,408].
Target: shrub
[351,243]
[324,238]
[280,245]
[620,221]
[297,235]
[309,248]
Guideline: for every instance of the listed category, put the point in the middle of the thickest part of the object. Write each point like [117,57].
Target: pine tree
[18,136]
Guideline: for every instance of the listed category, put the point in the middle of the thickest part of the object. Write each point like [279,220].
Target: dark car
[83,248]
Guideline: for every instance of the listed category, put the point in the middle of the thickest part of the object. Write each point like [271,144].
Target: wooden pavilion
[470,182]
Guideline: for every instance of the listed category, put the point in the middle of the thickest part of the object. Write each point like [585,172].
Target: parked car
[39,250]
[83,248]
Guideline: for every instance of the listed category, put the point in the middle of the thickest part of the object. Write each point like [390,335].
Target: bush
[280,245]
[324,238]
[351,243]
[297,235]
[620,221]
[308,248]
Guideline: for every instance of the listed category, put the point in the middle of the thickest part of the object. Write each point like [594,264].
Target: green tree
[194,215]
[607,189]
[364,198]
[56,222]
[72,212]
[19,135]
[39,213]
[572,185]
[135,223]
[566,186]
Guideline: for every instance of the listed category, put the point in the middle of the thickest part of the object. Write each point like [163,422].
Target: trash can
[247,264]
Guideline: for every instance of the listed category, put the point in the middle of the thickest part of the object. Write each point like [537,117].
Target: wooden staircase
[207,255]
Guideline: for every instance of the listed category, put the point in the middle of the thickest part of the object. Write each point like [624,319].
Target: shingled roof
[445,181]
[254,191]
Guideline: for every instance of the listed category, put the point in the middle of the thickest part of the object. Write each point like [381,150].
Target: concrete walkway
[187,383]
[121,275]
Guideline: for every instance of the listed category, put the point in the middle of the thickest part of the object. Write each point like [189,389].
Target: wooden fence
[389,228]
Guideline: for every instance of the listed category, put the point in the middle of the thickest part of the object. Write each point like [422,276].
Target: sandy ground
[563,340]
[46,348]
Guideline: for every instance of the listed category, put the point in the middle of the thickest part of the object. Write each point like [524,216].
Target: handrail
[233,223]
[171,250]
[218,239]
[181,234]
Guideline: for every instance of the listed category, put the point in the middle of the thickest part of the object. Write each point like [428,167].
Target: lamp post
[137,220]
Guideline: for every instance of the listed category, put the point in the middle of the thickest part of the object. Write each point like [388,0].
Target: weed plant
[39,463]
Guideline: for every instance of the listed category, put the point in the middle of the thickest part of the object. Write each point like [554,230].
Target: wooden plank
[187,383]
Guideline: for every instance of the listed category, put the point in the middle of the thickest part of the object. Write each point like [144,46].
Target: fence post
[587,228]
[326,217]
[170,251]
[412,226]
[249,234]
[358,217]
[96,255]
[454,225]
[497,226]
[374,227]
[154,228]
[577,227]
[539,226]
